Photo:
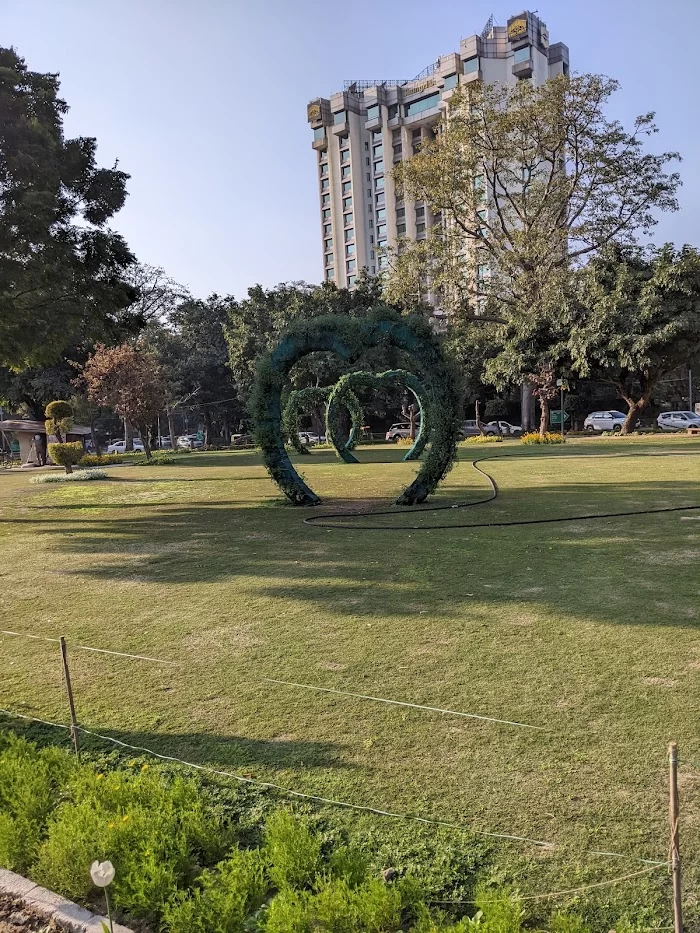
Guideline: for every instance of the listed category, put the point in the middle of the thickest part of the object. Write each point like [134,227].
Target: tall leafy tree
[128,380]
[530,183]
[63,272]
[638,320]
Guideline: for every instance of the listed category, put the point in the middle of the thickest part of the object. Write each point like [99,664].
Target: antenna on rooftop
[488,28]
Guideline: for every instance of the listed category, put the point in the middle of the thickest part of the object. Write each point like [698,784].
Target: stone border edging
[52,905]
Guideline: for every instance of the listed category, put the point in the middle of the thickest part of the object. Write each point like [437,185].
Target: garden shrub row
[183,865]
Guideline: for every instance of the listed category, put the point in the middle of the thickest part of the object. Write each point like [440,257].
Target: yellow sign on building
[313,113]
[517,28]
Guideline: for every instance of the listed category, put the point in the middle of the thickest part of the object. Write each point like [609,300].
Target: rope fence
[672,862]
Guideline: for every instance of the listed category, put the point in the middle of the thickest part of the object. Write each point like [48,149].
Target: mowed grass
[588,629]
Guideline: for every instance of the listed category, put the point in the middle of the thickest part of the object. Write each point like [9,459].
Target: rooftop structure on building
[361,132]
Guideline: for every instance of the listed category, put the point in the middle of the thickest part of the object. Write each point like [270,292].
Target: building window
[326,199]
[373,112]
[450,82]
[400,229]
[565,68]
[378,151]
[379,184]
[327,244]
[420,228]
[381,230]
[345,155]
[351,265]
[379,167]
[481,272]
[327,229]
[319,132]
[381,243]
[416,134]
[351,281]
[324,184]
[366,160]
[481,215]
[400,212]
[349,234]
[339,117]
[350,249]
[324,168]
[371,223]
[425,103]
[322,155]
[347,219]
[398,150]
[347,203]
[329,274]
[380,199]
[478,183]
[376,137]
[371,238]
[381,214]
[369,192]
[521,55]
[369,177]
[420,211]
[383,262]
[347,187]
[471,65]
[326,214]
[393,111]
[345,171]
[329,259]
[366,147]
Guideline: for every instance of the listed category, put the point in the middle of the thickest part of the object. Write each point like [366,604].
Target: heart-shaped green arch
[349,338]
[343,394]
[302,400]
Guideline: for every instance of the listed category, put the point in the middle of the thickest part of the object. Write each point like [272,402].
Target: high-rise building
[360,133]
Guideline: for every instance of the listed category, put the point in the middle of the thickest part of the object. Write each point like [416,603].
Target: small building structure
[28,433]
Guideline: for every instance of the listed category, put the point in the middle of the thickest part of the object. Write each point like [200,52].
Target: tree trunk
[479,422]
[68,468]
[128,436]
[412,421]
[544,415]
[526,407]
[143,430]
[171,428]
[208,428]
[636,407]
[226,429]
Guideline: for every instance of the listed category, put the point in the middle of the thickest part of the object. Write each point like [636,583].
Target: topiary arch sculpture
[301,400]
[343,391]
[349,338]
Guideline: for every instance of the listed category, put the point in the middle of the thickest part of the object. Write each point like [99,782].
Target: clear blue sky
[204,104]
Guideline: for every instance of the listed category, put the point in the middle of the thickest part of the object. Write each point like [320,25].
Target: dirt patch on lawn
[15,917]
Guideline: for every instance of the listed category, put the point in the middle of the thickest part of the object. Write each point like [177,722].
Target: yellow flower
[126,817]
[110,826]
[144,767]
[100,777]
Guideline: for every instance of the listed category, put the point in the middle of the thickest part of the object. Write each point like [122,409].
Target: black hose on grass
[332,519]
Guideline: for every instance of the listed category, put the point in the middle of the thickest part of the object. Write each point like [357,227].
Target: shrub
[90,460]
[293,852]
[67,455]
[59,418]
[484,439]
[222,899]
[82,477]
[154,833]
[30,782]
[547,438]
[157,459]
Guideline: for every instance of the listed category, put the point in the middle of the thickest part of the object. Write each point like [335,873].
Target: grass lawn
[586,628]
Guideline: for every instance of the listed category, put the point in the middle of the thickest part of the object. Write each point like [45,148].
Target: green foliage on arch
[343,390]
[299,402]
[349,337]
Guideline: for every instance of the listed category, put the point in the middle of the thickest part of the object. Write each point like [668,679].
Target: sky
[204,105]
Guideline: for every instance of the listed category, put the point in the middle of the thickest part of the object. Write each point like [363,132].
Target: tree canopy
[63,272]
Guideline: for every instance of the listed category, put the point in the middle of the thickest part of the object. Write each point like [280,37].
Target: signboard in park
[555,416]
[200,435]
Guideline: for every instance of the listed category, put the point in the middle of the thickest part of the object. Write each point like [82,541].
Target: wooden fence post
[69,691]
[675,851]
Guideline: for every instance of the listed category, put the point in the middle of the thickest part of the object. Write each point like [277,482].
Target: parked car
[165,442]
[604,421]
[119,447]
[189,442]
[508,429]
[242,440]
[308,437]
[678,420]
[468,429]
[399,430]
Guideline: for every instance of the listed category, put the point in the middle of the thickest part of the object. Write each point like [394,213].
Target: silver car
[678,420]
[604,421]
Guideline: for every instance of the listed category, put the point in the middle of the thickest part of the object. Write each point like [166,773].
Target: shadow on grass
[228,752]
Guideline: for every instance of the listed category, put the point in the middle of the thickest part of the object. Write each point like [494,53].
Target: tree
[59,419]
[63,272]
[638,320]
[127,379]
[530,183]
[67,454]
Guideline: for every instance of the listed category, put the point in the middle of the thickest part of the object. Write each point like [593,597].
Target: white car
[604,421]
[399,430]
[119,447]
[678,420]
[507,429]
[308,437]
[189,442]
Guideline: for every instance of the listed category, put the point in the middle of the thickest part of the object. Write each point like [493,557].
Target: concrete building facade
[360,133]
